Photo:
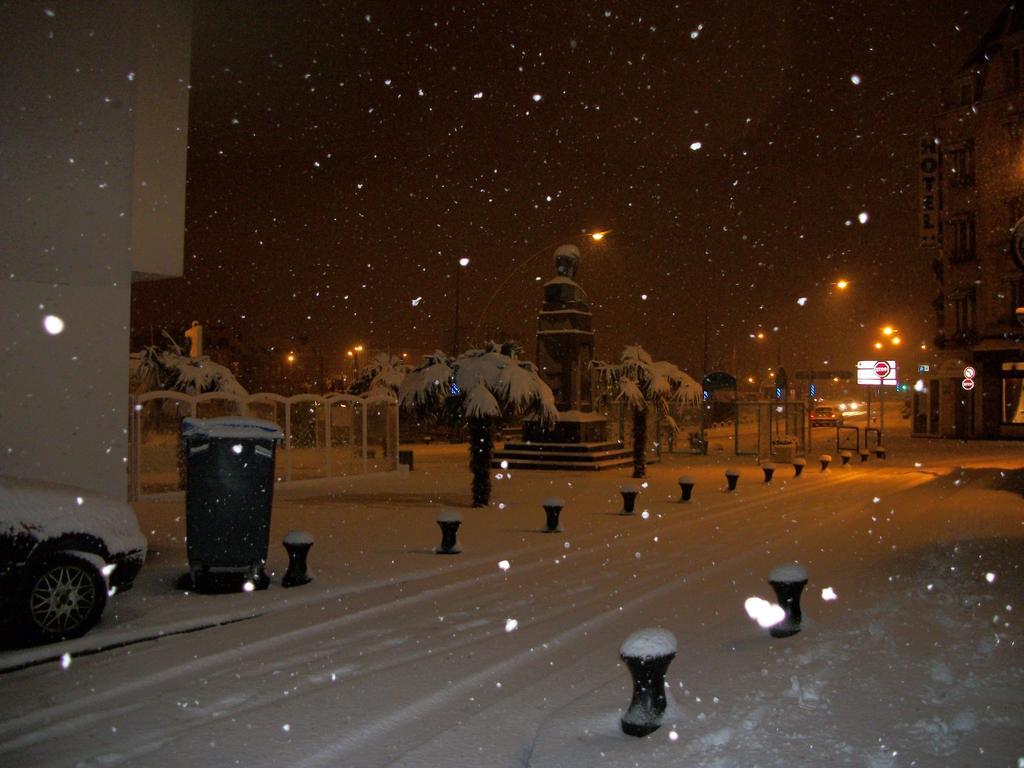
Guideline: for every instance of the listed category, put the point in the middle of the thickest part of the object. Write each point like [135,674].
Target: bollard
[769,470]
[732,476]
[864,453]
[629,494]
[647,653]
[449,522]
[552,507]
[686,484]
[879,452]
[788,581]
[845,456]
[798,466]
[824,459]
[297,544]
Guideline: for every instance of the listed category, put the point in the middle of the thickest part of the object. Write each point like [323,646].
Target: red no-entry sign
[882,369]
[967,384]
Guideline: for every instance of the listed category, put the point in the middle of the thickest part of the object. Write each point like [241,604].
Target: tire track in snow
[732,508]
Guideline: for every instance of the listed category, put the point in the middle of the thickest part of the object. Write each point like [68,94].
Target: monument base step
[563,456]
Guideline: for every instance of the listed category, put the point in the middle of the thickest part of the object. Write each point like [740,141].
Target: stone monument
[565,349]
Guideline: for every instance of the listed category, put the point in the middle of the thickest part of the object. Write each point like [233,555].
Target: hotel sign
[928,182]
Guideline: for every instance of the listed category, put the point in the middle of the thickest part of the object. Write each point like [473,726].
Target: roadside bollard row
[647,653]
[449,521]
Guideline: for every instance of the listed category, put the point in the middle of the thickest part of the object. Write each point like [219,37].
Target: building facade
[972,219]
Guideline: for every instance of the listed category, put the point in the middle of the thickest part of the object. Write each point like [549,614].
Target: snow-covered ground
[507,654]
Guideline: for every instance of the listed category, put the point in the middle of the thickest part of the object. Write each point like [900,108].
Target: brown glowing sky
[340,163]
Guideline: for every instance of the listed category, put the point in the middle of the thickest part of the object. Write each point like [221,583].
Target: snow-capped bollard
[629,494]
[686,484]
[788,581]
[449,522]
[552,507]
[845,456]
[798,466]
[647,653]
[297,544]
[864,453]
[769,470]
[879,452]
[732,476]
[825,459]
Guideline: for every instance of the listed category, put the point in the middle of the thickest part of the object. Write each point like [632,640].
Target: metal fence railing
[325,436]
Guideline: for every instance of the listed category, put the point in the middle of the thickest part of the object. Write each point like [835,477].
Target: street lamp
[463,263]
[594,237]
[354,354]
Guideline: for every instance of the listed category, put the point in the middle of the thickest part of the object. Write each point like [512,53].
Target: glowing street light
[842,284]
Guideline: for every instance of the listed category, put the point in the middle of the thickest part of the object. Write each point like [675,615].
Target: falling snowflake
[504,565]
[829,594]
[65,661]
[696,145]
[511,625]
[855,78]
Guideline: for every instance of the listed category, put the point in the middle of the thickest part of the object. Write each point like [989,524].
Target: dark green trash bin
[228,496]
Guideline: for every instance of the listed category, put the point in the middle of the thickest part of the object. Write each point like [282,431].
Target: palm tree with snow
[481,388]
[384,372]
[646,384]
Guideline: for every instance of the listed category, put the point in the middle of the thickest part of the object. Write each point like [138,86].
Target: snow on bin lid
[449,516]
[298,537]
[231,428]
[552,501]
[788,572]
[648,643]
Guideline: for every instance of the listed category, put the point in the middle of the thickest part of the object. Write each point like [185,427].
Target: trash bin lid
[231,428]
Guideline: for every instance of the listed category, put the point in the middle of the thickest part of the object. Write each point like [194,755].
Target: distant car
[826,416]
[62,550]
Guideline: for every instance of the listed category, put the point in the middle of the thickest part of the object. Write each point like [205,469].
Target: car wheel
[63,597]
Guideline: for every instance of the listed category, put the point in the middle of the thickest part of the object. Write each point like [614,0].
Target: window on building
[964,312]
[961,236]
[1014,297]
[965,91]
[1013,393]
[960,165]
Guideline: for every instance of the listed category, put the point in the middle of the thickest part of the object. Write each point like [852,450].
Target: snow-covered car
[63,550]
[825,416]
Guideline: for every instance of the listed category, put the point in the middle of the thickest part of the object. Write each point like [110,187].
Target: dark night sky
[340,163]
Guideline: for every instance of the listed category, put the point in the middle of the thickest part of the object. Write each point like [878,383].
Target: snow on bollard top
[847,454]
[298,537]
[788,573]
[825,457]
[730,472]
[628,489]
[449,516]
[648,643]
[799,462]
[767,465]
[687,480]
[552,501]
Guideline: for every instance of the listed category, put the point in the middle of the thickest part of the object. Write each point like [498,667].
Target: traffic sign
[969,372]
[967,384]
[877,372]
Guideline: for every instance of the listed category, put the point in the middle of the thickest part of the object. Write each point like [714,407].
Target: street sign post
[967,384]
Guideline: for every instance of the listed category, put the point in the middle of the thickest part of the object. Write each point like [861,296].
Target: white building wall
[71,75]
